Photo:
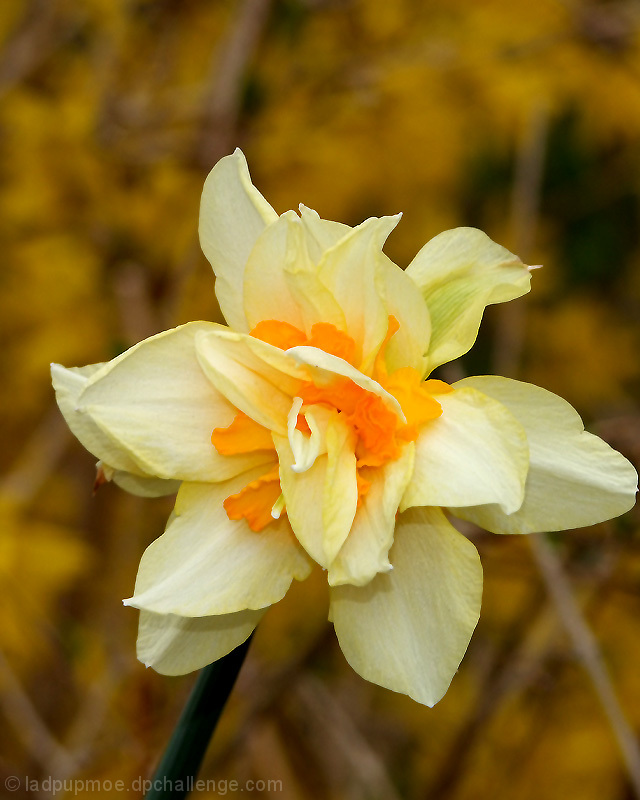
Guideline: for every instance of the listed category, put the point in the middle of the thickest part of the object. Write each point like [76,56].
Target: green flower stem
[176,773]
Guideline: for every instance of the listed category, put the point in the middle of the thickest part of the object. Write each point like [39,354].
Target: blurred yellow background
[519,118]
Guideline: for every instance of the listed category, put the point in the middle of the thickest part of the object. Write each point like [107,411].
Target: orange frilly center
[379,433]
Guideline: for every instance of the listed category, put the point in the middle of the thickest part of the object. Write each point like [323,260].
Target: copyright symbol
[12,783]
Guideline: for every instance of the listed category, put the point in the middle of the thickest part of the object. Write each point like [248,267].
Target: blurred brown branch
[40,33]
[222,101]
[37,459]
[587,650]
[27,723]
[352,768]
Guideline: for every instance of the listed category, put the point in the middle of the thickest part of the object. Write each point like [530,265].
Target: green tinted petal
[459,273]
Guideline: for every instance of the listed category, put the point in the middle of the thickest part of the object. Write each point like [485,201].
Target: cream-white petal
[575,479]
[266,291]
[459,273]
[207,564]
[233,214]
[321,233]
[351,270]
[174,645]
[151,411]
[365,552]
[281,279]
[254,376]
[68,383]
[408,629]
[475,452]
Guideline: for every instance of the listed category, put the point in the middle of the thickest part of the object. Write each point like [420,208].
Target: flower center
[379,433]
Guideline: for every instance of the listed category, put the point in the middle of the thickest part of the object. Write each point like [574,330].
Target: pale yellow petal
[340,495]
[282,282]
[306,448]
[175,645]
[254,376]
[322,233]
[408,629]
[460,272]
[233,214]
[266,291]
[321,501]
[475,452]
[351,270]
[408,346]
[315,301]
[207,564]
[366,549]
[575,479]
[151,411]
[303,494]
[400,295]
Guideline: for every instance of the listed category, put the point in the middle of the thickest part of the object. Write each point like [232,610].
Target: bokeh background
[519,118]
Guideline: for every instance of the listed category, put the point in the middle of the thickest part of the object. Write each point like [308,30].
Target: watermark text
[71,787]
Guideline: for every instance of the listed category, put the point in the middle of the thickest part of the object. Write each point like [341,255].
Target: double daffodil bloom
[308,431]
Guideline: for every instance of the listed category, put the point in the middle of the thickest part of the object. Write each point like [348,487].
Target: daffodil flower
[309,431]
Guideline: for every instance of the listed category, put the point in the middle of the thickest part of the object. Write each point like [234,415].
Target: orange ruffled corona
[379,432]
